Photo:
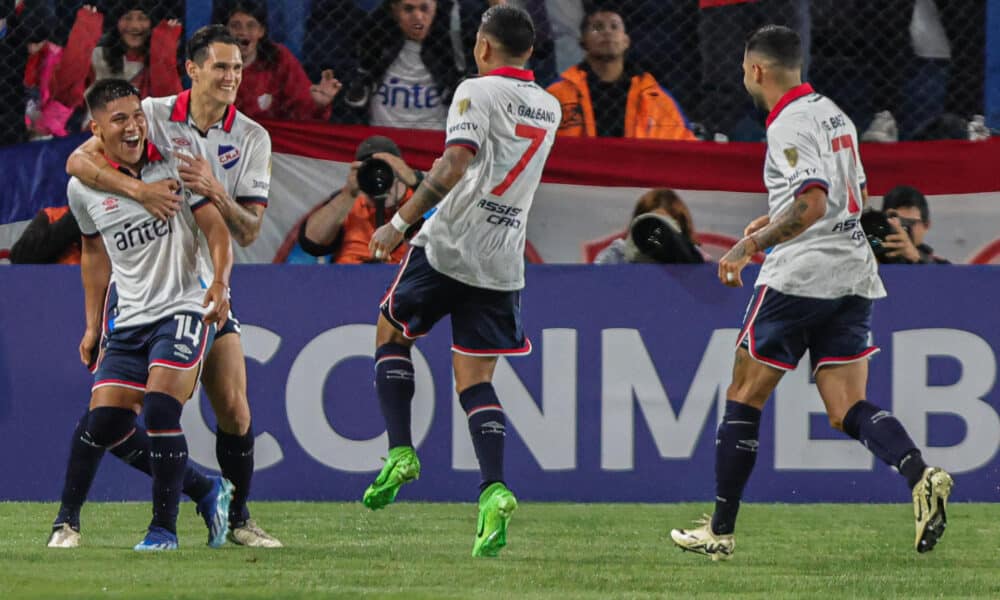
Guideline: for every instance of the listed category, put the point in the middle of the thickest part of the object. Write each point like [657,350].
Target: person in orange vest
[344,224]
[608,96]
[52,237]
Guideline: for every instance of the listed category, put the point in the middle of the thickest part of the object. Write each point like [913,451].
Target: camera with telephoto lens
[375,177]
[876,226]
[659,238]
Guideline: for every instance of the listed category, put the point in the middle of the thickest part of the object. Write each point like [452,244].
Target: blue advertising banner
[618,402]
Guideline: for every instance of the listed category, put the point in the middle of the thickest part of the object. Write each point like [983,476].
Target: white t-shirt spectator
[408,97]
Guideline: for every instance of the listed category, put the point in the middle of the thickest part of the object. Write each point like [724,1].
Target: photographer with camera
[897,232]
[660,231]
[378,184]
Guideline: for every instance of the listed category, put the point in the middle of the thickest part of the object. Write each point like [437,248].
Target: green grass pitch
[420,550]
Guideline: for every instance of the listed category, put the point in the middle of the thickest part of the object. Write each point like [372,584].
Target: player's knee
[107,425]
[232,412]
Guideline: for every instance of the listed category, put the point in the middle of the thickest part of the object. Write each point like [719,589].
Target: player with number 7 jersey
[811,143]
[478,234]
[467,262]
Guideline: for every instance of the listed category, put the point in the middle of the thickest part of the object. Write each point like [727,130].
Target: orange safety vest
[70,256]
[651,113]
[357,230]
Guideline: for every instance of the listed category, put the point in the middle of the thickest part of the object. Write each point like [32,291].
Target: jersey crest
[228,156]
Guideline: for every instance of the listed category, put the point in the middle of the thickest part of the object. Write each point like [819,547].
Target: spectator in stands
[130,49]
[408,66]
[910,215]
[44,115]
[608,96]
[669,239]
[53,236]
[331,34]
[909,41]
[344,224]
[726,111]
[274,83]
[16,27]
[543,57]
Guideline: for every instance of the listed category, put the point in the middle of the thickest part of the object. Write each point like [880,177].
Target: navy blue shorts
[779,328]
[179,341]
[111,312]
[483,322]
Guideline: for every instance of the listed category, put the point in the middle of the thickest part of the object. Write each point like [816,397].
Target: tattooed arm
[444,175]
[806,209]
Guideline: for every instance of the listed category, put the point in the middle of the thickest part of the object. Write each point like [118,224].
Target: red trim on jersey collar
[790,96]
[514,73]
[182,108]
[152,155]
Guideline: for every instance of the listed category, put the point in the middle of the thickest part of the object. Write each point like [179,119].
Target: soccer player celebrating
[225,156]
[162,329]
[814,292]
[467,261]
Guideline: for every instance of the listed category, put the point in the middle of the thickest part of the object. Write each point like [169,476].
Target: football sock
[167,456]
[394,385]
[134,451]
[885,437]
[86,451]
[235,455]
[487,426]
[735,454]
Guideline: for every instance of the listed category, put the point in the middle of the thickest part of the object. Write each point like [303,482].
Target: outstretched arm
[444,175]
[88,164]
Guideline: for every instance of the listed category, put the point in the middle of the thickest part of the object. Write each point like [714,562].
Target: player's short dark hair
[511,26]
[591,9]
[779,43]
[197,46]
[904,196]
[104,91]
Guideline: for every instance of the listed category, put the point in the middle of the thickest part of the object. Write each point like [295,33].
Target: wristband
[398,223]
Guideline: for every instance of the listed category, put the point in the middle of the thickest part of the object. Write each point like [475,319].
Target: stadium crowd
[626,68]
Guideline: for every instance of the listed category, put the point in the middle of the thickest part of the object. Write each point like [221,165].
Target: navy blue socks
[886,438]
[235,455]
[736,444]
[488,428]
[394,384]
[167,456]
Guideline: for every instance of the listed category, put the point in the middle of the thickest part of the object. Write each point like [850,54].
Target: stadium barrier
[588,189]
[618,402]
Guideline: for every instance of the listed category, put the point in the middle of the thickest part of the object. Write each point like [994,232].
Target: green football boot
[496,504]
[401,467]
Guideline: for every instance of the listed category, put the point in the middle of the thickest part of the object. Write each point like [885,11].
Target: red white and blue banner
[589,188]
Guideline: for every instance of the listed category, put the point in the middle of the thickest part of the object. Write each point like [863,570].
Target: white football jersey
[155,263]
[237,147]
[812,143]
[477,235]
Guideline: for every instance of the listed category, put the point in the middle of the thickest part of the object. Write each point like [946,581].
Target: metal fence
[903,69]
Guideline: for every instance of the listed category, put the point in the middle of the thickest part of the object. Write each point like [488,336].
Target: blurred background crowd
[668,69]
